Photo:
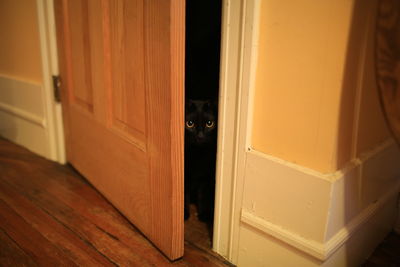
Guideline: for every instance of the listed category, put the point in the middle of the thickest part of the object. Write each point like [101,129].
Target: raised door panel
[82,88]
[127,72]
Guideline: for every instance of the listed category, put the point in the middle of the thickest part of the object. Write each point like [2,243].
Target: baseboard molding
[320,250]
[22,118]
[327,219]
[22,114]
[310,247]
[23,95]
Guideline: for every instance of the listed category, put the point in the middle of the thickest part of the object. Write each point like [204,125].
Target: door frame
[240,20]
[49,60]
[239,46]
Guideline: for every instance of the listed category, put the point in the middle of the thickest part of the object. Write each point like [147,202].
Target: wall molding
[23,99]
[273,224]
[22,118]
[25,115]
[330,176]
[310,247]
[319,250]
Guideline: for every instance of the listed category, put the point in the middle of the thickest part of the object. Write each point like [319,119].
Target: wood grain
[165,98]
[122,66]
[82,89]
[49,215]
[10,253]
[127,40]
[387,253]
[59,235]
[32,242]
[197,232]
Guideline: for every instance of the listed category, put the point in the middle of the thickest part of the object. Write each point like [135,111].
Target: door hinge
[57,88]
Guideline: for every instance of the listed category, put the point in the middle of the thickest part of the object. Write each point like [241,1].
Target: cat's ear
[215,103]
[212,104]
[190,105]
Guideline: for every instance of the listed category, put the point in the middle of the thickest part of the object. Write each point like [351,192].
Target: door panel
[127,35]
[122,67]
[80,52]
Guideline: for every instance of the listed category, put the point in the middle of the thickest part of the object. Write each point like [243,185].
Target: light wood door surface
[122,72]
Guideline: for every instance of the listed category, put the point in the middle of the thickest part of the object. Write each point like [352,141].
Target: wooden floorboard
[197,232]
[50,215]
[387,253]
[11,254]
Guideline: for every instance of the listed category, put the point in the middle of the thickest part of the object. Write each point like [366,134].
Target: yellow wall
[19,45]
[315,98]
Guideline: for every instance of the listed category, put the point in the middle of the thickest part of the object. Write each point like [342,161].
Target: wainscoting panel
[319,219]
[22,118]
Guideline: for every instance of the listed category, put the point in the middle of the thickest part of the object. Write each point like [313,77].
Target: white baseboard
[320,250]
[258,248]
[22,112]
[317,214]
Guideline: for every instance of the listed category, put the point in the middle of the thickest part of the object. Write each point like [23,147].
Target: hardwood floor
[196,232]
[387,253]
[50,215]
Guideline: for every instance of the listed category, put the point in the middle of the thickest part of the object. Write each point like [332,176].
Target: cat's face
[200,122]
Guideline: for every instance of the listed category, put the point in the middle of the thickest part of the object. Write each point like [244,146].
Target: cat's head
[200,121]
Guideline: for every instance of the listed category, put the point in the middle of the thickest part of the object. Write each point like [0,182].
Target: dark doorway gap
[202,66]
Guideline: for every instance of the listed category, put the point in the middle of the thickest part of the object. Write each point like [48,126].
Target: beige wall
[19,45]
[316,105]
[315,98]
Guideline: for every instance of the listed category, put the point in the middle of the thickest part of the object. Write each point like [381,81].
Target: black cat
[200,156]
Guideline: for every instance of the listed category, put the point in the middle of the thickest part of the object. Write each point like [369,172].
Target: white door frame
[240,21]
[238,62]
[48,49]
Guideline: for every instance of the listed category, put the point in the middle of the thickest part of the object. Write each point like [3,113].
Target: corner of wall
[320,218]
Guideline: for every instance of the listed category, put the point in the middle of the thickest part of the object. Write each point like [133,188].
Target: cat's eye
[190,124]
[209,124]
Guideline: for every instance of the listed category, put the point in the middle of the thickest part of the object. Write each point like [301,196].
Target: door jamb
[49,60]
[239,46]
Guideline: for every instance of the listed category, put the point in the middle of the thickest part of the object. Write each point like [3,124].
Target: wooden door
[122,71]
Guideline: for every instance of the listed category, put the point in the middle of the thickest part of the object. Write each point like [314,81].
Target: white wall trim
[226,151]
[48,48]
[23,99]
[356,223]
[25,115]
[22,117]
[323,242]
[239,39]
[330,176]
[310,247]
[320,250]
